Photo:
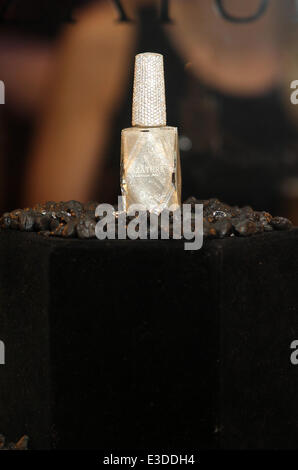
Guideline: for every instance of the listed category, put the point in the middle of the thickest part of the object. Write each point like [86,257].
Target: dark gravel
[73,219]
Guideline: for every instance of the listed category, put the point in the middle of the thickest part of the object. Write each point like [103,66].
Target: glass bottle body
[150,168]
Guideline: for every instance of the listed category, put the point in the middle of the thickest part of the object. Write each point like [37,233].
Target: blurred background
[68,70]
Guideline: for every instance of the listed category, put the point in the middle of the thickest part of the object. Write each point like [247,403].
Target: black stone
[6,220]
[42,223]
[54,224]
[70,229]
[86,228]
[245,227]
[280,223]
[26,221]
[223,227]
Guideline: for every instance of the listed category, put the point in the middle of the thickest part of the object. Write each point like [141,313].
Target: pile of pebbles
[73,219]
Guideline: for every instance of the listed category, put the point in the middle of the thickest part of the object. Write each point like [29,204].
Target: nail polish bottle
[150,161]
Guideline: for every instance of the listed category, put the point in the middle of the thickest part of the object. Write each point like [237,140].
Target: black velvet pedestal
[142,345]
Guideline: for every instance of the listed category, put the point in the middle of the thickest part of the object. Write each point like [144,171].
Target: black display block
[142,345]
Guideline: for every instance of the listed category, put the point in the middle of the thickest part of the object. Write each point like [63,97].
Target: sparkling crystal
[149,102]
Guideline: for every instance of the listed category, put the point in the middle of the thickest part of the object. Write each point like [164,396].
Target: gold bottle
[150,161]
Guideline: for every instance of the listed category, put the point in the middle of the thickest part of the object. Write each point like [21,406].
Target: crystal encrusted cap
[149,101]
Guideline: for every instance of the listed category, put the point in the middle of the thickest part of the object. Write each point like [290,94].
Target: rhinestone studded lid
[149,102]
